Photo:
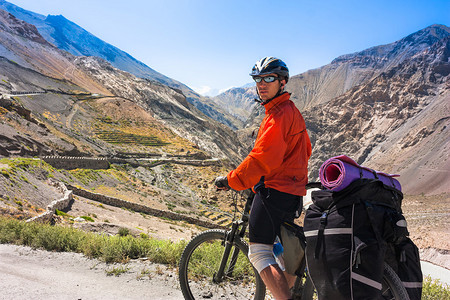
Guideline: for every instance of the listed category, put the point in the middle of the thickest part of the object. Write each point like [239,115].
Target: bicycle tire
[304,288]
[308,289]
[199,263]
[392,286]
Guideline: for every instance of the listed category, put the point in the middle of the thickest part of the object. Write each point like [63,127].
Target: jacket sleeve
[266,155]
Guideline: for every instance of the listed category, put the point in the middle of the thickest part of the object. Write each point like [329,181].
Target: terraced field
[119,137]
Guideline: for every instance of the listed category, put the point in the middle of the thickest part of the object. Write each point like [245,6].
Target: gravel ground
[26,273]
[36,274]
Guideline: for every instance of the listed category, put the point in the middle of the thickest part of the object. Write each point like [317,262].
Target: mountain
[72,38]
[238,102]
[53,102]
[60,88]
[21,42]
[320,85]
[386,107]
[397,122]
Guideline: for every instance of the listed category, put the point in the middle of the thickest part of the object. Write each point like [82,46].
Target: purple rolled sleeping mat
[338,172]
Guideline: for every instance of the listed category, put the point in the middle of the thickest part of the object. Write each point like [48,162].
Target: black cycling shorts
[269,209]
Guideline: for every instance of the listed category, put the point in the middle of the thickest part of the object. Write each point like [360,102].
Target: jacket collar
[276,101]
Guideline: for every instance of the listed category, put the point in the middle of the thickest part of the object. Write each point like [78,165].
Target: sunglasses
[267,79]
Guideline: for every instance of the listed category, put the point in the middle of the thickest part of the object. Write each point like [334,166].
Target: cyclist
[276,169]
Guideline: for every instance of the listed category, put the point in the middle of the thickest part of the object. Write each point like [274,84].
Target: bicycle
[214,265]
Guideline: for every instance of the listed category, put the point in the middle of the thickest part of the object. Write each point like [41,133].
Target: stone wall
[140,208]
[70,190]
[68,163]
[59,204]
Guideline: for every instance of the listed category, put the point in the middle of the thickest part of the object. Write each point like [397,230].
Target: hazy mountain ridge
[320,85]
[39,55]
[238,102]
[21,28]
[70,37]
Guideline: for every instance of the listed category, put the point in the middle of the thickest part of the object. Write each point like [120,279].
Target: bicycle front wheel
[200,263]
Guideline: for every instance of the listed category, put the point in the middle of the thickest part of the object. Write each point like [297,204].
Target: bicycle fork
[228,244]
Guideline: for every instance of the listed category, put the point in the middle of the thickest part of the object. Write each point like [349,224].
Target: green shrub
[57,238]
[121,249]
[108,248]
[434,290]
[10,231]
[62,214]
[165,251]
[92,245]
[123,231]
[117,270]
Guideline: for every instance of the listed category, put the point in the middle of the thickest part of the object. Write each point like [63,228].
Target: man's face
[268,90]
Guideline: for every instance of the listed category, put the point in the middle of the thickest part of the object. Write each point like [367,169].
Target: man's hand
[221,183]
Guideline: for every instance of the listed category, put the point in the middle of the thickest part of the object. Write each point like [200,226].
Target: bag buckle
[323,218]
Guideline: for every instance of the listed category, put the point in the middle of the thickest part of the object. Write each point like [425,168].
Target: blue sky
[211,45]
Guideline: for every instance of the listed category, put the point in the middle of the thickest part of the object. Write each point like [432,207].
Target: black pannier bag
[292,238]
[403,255]
[347,235]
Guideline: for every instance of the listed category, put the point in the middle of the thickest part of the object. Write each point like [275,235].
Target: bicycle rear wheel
[304,288]
[392,287]
[199,264]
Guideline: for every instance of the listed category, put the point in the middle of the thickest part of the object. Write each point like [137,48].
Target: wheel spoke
[200,263]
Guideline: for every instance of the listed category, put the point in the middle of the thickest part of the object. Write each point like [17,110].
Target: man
[276,169]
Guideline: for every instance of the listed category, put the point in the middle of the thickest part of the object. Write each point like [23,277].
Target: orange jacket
[281,152]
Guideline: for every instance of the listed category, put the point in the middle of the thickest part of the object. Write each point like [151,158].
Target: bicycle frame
[229,240]
[237,231]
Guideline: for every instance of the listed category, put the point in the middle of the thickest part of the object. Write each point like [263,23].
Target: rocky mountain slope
[31,64]
[68,36]
[320,85]
[239,102]
[20,42]
[397,122]
[53,102]
[366,104]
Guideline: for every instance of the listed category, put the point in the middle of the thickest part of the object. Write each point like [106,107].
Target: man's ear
[283,83]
